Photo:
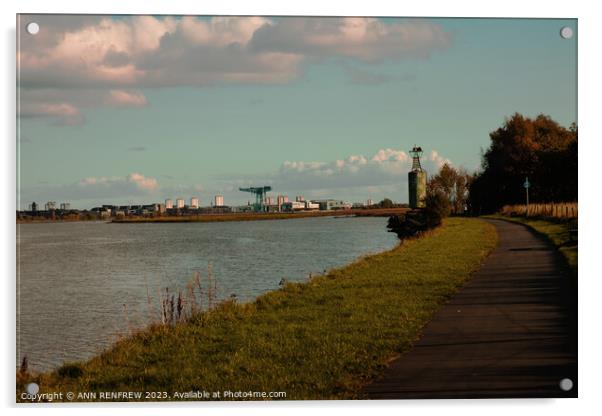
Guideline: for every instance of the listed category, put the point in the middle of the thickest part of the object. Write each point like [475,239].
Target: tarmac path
[511,331]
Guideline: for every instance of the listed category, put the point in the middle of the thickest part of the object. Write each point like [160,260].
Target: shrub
[438,207]
[71,370]
[417,221]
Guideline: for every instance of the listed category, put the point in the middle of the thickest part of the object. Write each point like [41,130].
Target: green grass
[322,339]
[556,230]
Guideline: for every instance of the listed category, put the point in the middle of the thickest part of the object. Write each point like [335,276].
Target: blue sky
[134,110]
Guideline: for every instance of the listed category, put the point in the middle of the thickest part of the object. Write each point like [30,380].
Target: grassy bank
[556,230]
[254,216]
[316,340]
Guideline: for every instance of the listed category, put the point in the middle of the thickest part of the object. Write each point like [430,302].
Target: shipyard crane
[260,193]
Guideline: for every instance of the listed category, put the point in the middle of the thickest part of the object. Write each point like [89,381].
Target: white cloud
[81,57]
[142,182]
[438,160]
[388,155]
[133,187]
[63,113]
[222,30]
[127,98]
[356,177]
[134,182]
[362,38]
[139,50]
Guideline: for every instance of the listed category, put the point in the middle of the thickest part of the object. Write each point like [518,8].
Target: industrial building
[310,205]
[281,200]
[293,206]
[332,204]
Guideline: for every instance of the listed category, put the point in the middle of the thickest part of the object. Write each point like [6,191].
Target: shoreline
[385,212]
[377,212]
[349,315]
[301,278]
[51,221]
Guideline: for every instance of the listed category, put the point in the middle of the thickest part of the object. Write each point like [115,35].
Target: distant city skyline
[138,109]
[190,203]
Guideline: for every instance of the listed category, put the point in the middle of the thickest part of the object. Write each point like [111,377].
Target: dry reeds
[180,306]
[565,210]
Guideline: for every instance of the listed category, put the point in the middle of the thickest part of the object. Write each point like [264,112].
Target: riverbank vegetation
[445,193]
[321,339]
[561,210]
[418,221]
[452,184]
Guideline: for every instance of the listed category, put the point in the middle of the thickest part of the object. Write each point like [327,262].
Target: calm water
[75,278]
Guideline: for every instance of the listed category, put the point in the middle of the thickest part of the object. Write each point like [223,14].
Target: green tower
[417,180]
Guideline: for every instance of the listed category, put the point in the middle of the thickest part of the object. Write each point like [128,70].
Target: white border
[458,8]
[590,230]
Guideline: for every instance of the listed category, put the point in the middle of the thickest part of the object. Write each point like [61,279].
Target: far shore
[255,216]
[247,216]
[43,220]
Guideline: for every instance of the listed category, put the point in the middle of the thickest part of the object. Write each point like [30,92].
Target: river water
[82,285]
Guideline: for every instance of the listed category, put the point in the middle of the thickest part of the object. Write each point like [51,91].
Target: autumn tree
[540,149]
[453,184]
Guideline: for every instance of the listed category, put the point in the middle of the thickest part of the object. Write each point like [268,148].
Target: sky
[137,109]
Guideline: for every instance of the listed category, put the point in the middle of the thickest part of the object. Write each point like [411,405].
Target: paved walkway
[511,331]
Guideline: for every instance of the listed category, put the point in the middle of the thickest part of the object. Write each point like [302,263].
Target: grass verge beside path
[556,230]
[321,339]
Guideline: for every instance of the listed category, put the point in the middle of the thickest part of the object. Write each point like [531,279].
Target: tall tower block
[417,180]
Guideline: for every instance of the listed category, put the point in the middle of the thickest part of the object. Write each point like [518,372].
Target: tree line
[539,149]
